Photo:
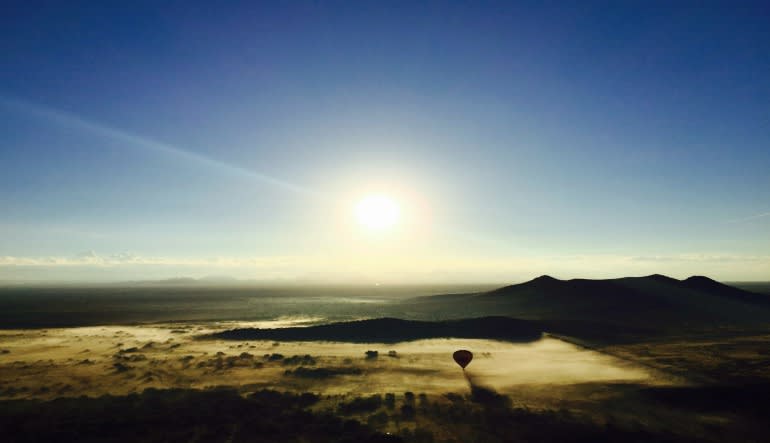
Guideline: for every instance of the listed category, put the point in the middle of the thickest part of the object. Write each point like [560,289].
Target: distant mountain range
[652,285]
[654,291]
[651,303]
[595,310]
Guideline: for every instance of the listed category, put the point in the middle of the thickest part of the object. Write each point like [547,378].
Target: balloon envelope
[463,357]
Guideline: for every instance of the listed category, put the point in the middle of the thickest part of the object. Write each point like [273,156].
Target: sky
[146,140]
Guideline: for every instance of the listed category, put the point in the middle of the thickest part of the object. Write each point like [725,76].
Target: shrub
[378,420]
[361,404]
[408,412]
[126,351]
[120,367]
[300,360]
[321,373]
[422,436]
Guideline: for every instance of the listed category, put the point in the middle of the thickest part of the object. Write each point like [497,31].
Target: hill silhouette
[651,303]
[695,294]
[596,310]
[705,284]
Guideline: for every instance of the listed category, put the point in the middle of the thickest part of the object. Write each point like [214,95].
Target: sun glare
[377,212]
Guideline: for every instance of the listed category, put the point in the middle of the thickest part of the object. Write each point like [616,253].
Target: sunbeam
[76,122]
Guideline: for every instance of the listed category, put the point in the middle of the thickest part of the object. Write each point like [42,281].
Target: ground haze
[384,358]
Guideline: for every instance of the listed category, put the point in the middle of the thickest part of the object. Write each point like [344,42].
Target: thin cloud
[300,263]
[91,258]
[76,122]
[701,258]
[752,217]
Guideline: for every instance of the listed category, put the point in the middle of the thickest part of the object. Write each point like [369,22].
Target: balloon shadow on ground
[485,395]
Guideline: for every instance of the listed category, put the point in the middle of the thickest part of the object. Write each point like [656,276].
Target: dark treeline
[221,415]
[392,330]
[180,416]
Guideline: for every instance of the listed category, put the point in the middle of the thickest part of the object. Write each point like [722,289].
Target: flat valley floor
[667,387]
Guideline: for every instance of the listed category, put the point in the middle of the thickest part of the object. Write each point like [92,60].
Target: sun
[377,212]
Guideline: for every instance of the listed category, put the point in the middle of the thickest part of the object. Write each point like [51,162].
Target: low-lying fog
[123,359]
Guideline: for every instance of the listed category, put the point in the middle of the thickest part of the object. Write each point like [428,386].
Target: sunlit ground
[123,359]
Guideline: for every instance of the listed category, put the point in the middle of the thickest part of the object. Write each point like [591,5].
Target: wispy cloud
[749,218]
[701,258]
[91,258]
[79,123]
[122,266]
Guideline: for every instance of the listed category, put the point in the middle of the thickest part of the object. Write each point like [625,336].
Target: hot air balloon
[463,357]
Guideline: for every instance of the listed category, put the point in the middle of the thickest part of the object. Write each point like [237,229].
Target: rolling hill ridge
[654,302]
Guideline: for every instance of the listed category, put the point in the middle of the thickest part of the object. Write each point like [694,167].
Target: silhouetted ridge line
[546,285]
[652,285]
[707,285]
[656,302]
[704,282]
[392,330]
[660,278]
[545,279]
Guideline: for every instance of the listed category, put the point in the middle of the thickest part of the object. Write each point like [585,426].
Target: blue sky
[594,139]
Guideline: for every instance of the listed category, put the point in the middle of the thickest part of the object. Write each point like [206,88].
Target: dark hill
[392,330]
[705,284]
[640,292]
[653,303]
[642,285]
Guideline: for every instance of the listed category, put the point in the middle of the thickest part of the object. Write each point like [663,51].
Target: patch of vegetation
[378,420]
[453,397]
[181,416]
[393,330]
[129,358]
[321,373]
[390,400]
[716,398]
[489,397]
[129,350]
[12,391]
[421,435]
[361,404]
[120,367]
[270,416]
[244,360]
[306,360]
[285,399]
[408,412]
